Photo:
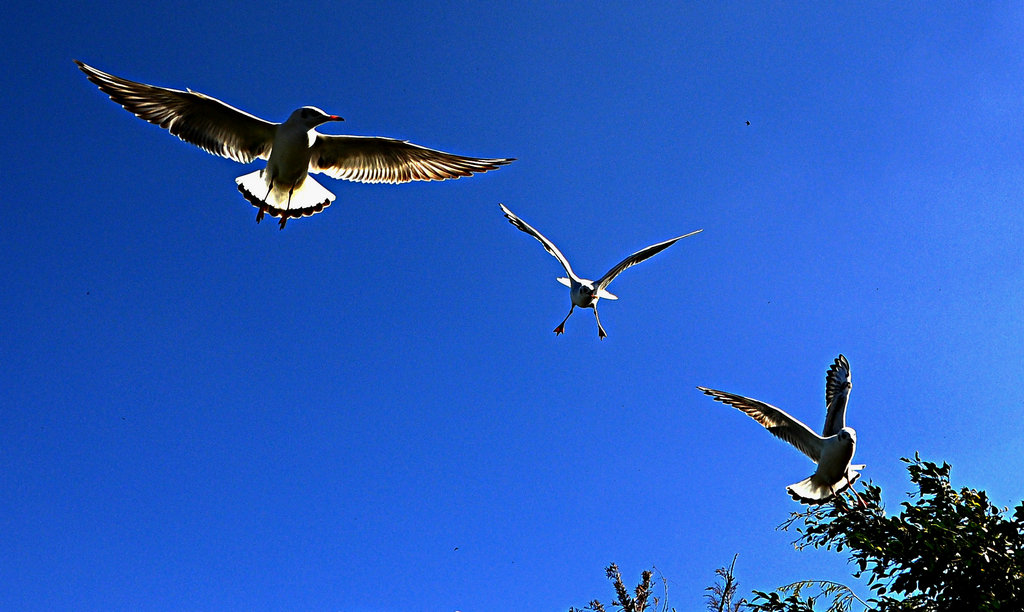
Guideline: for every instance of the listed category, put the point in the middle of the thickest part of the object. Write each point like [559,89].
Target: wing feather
[777,421]
[206,122]
[635,258]
[837,396]
[373,159]
[548,245]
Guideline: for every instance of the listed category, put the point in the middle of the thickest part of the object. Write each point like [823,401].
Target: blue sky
[368,410]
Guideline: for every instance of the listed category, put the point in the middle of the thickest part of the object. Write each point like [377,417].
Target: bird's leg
[561,326]
[284,217]
[600,330]
[860,500]
[263,205]
[270,187]
[846,506]
[290,192]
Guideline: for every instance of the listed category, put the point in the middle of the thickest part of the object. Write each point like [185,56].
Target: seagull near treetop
[832,450]
[292,149]
[583,292]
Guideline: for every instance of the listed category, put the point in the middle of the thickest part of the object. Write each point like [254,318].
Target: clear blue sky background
[368,410]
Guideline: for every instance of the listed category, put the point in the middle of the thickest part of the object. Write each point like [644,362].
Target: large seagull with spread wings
[832,450]
[584,292]
[292,149]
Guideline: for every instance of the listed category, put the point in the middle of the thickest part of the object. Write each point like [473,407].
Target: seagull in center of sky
[583,292]
[832,450]
[292,149]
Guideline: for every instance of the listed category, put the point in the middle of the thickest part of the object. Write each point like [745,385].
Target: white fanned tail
[814,491]
[307,199]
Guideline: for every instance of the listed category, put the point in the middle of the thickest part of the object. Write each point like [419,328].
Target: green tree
[638,602]
[720,594]
[946,551]
[719,598]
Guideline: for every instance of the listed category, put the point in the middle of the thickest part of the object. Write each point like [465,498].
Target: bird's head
[848,433]
[588,294]
[311,116]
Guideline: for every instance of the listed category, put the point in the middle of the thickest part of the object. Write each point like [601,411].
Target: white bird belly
[288,164]
[835,458]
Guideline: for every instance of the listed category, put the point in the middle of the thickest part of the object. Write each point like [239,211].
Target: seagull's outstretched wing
[548,245]
[372,159]
[837,394]
[196,118]
[774,420]
[635,258]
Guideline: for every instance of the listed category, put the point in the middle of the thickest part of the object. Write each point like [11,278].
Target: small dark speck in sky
[748,123]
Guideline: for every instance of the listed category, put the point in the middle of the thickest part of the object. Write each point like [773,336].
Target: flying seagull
[583,292]
[292,149]
[832,450]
